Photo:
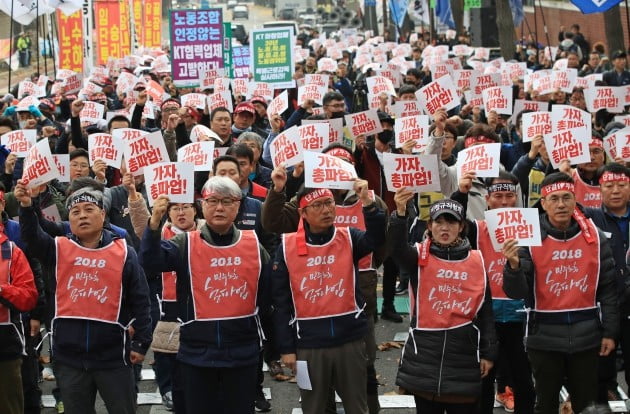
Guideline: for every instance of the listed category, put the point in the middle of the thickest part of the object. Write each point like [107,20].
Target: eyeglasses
[182,209]
[225,202]
[319,205]
[81,165]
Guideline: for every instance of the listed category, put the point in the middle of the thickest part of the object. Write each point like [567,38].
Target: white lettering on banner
[345,220]
[225,261]
[319,260]
[315,287]
[79,287]
[495,271]
[558,283]
[225,293]
[441,301]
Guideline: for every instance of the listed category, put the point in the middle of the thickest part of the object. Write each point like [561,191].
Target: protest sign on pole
[363,123]
[172,179]
[272,56]
[70,31]
[199,154]
[483,159]
[418,173]
[521,224]
[39,165]
[412,128]
[438,94]
[19,141]
[314,137]
[144,151]
[535,123]
[105,147]
[569,144]
[286,148]
[196,44]
[327,171]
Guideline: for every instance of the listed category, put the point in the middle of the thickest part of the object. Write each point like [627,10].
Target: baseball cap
[618,54]
[260,100]
[446,206]
[245,107]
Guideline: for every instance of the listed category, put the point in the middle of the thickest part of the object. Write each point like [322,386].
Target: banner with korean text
[152,23]
[272,56]
[196,44]
[70,41]
[112,36]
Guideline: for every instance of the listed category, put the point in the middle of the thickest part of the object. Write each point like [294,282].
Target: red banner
[112,35]
[152,23]
[70,41]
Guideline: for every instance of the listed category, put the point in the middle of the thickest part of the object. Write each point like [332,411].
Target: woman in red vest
[452,340]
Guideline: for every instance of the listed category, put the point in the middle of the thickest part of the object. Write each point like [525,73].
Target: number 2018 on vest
[87,262]
[566,254]
[451,274]
[320,260]
[225,261]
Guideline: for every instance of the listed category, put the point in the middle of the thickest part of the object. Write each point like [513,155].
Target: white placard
[522,224]
[570,144]
[199,154]
[363,123]
[286,148]
[412,127]
[105,147]
[144,151]
[535,123]
[483,159]
[418,173]
[19,141]
[498,99]
[327,171]
[314,137]
[438,94]
[62,161]
[39,165]
[173,179]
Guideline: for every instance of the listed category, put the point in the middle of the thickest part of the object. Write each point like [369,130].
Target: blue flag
[594,6]
[444,13]
[517,12]
[398,10]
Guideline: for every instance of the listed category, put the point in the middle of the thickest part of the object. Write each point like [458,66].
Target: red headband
[480,138]
[317,194]
[1,195]
[596,142]
[341,153]
[552,188]
[608,177]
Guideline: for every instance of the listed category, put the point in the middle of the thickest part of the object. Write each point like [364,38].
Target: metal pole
[628,23]
[542,13]
[536,33]
[44,39]
[51,44]
[10,50]
[37,30]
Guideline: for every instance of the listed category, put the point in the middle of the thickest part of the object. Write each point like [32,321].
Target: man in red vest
[99,291]
[319,319]
[569,285]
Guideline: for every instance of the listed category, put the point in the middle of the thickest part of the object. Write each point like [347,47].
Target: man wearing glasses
[568,284]
[220,274]
[319,320]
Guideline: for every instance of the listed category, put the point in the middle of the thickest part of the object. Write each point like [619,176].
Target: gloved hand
[10,111]
[35,111]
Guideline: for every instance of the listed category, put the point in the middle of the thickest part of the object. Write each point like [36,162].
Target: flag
[517,12]
[398,10]
[444,13]
[594,6]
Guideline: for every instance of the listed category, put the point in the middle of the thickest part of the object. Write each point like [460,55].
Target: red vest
[586,194]
[5,268]
[322,282]
[224,279]
[450,292]
[89,281]
[169,279]
[566,273]
[493,261]
[352,216]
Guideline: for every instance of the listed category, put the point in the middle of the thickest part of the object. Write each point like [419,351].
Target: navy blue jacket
[325,332]
[84,343]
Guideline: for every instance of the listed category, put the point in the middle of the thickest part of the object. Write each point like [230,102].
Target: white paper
[220,99]
[535,123]
[484,159]
[199,154]
[278,105]
[166,173]
[412,127]
[286,148]
[51,213]
[611,98]
[105,147]
[19,141]
[622,141]
[314,137]
[92,112]
[571,144]
[301,375]
[327,171]
[62,161]
[201,133]
[438,94]
[565,117]
[418,173]
[380,84]
[363,123]
[522,224]
[144,151]
[406,108]
[313,92]
[39,154]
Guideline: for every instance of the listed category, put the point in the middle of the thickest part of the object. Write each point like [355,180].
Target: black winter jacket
[566,332]
[447,361]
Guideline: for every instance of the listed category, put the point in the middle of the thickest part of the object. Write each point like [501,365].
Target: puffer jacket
[446,363]
[566,332]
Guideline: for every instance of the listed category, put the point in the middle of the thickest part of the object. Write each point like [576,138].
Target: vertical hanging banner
[227,49]
[138,19]
[240,61]
[70,30]
[125,29]
[196,44]
[272,56]
[107,32]
[152,23]
[88,34]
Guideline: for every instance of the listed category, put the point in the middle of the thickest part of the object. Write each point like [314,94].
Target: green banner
[272,56]
[227,49]
[472,4]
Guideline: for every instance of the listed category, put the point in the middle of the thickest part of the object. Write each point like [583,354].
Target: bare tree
[505,26]
[614,30]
